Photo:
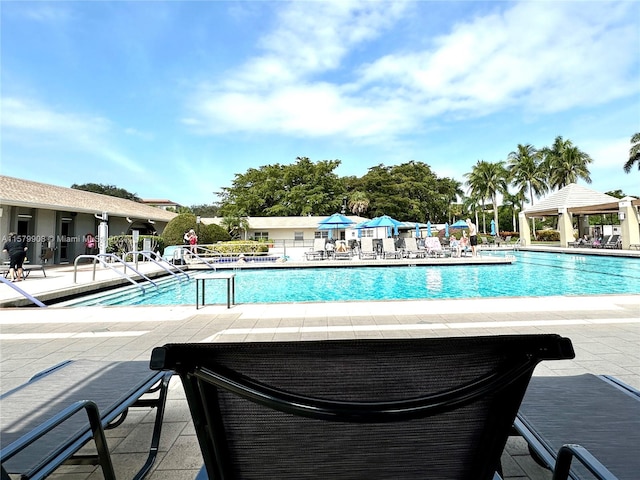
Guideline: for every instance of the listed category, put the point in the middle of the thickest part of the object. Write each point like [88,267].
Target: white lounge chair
[389,248]
[411,248]
[366,248]
[317,252]
[434,247]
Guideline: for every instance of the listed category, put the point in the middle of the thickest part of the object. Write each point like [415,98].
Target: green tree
[205,211]
[527,172]
[110,190]
[487,179]
[303,188]
[634,153]
[174,231]
[235,225]
[565,163]
[358,203]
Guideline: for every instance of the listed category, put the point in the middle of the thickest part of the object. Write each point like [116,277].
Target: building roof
[25,193]
[576,199]
[160,201]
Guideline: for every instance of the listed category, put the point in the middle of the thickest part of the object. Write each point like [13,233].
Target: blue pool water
[532,274]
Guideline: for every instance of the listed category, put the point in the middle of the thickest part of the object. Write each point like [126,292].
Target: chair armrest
[566,455]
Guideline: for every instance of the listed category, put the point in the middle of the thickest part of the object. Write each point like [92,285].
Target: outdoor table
[231,287]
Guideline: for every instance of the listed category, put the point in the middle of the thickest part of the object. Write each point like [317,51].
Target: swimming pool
[533,274]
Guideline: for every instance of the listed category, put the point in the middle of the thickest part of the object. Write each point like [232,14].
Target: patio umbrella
[493,227]
[446,229]
[459,224]
[335,221]
[428,228]
[383,221]
[417,230]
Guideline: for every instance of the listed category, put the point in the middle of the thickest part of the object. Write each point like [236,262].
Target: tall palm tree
[634,153]
[527,172]
[489,179]
[565,163]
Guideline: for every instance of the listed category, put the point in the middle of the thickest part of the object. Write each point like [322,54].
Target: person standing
[473,236]
[193,241]
[17,250]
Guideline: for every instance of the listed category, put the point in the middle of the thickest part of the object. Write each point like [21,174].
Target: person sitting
[455,246]
[341,247]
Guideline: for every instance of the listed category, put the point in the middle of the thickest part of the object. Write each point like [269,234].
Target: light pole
[198,226]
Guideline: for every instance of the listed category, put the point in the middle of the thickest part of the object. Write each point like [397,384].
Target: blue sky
[172,99]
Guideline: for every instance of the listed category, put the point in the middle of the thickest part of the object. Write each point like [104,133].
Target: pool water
[532,274]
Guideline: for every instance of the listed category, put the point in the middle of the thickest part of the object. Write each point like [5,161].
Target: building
[60,218]
[161,203]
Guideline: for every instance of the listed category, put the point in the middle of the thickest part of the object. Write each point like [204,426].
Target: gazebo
[577,200]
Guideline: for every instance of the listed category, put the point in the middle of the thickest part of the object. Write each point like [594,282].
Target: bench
[46,421]
[26,269]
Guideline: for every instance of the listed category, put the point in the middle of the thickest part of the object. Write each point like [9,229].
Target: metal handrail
[149,256]
[28,296]
[186,250]
[100,258]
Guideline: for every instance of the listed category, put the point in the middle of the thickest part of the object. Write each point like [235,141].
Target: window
[261,235]
[298,235]
[322,234]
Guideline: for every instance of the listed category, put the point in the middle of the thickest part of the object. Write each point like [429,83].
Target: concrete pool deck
[605,331]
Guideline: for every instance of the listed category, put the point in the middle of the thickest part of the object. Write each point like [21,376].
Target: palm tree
[358,203]
[526,172]
[565,163]
[634,153]
[488,179]
[234,224]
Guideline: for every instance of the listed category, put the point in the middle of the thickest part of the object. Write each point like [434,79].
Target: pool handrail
[187,251]
[28,296]
[148,254]
[100,258]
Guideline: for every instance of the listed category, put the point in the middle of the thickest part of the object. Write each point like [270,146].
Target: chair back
[388,244]
[410,244]
[366,244]
[369,408]
[319,244]
[433,244]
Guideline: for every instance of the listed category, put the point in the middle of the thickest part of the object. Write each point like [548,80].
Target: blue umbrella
[335,220]
[446,229]
[459,224]
[428,228]
[383,221]
[417,230]
[493,227]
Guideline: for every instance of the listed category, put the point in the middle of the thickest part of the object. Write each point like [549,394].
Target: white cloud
[543,57]
[34,124]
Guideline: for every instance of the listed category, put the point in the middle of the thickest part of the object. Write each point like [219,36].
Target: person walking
[473,236]
[17,250]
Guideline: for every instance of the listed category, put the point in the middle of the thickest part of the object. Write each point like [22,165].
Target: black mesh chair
[431,408]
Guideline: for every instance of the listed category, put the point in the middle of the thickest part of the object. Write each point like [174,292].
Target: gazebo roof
[576,199]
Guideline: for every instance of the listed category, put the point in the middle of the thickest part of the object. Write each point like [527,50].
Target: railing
[100,258]
[149,256]
[28,296]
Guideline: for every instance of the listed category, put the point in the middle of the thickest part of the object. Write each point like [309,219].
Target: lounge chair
[318,250]
[389,249]
[411,248]
[48,419]
[434,247]
[613,242]
[363,408]
[574,424]
[342,251]
[366,248]
[600,242]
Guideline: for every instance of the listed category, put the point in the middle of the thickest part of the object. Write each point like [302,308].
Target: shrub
[548,235]
[173,233]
